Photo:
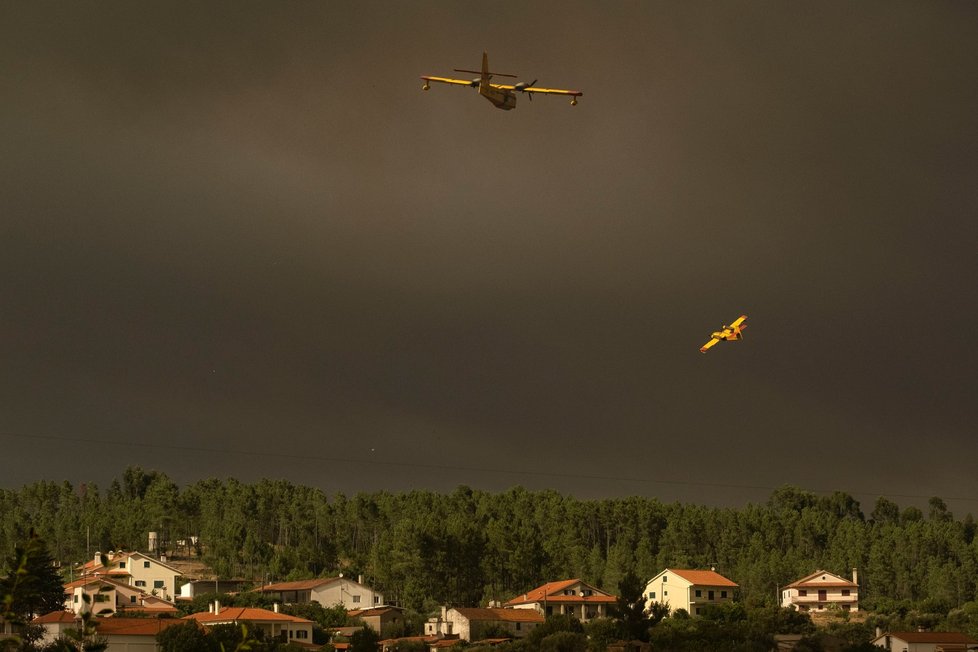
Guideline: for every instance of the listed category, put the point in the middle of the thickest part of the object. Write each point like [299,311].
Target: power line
[455,467]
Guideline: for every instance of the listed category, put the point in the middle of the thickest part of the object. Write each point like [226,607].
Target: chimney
[98,558]
[879,632]
[855,577]
[275,608]
[217,606]
[210,607]
[444,613]
[359,579]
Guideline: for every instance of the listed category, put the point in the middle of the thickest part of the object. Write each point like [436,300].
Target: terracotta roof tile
[300,585]
[247,614]
[702,577]
[55,617]
[551,592]
[133,626]
[933,637]
[807,581]
[506,615]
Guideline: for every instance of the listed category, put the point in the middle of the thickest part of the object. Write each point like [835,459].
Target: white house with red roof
[135,569]
[569,597]
[122,634]
[328,592]
[689,589]
[471,624]
[108,596]
[822,590]
[925,642]
[274,624]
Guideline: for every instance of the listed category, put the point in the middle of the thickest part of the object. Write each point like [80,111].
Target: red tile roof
[506,615]
[807,582]
[55,617]
[552,592]
[446,642]
[702,577]
[101,579]
[372,611]
[300,585]
[134,626]
[933,637]
[247,614]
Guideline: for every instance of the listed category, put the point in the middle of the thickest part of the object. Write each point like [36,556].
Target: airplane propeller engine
[522,86]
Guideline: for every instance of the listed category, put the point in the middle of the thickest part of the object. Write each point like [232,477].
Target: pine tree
[32,586]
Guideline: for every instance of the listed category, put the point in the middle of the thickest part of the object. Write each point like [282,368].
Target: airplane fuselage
[727,334]
[501,99]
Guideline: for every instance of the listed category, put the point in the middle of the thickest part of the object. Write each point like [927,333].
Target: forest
[464,548]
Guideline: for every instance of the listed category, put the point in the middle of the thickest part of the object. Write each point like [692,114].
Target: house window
[723,594]
[665,579]
[145,564]
[122,564]
[376,599]
[518,628]
[132,599]
[588,592]
[652,595]
[76,599]
[140,582]
[101,597]
[802,593]
[157,584]
[665,593]
[845,591]
[699,594]
[697,611]
[356,599]
[302,634]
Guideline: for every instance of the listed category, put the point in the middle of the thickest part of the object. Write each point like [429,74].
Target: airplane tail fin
[485,75]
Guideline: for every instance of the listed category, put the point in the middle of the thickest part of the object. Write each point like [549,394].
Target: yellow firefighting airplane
[730,333]
[502,96]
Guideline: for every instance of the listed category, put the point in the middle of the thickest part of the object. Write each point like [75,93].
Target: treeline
[467,547]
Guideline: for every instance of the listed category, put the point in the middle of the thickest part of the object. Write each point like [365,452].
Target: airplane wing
[712,342]
[552,91]
[448,80]
[534,89]
[740,320]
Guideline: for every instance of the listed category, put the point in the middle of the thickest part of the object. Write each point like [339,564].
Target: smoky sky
[237,239]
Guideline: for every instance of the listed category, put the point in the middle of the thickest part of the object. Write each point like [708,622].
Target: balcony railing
[810,599]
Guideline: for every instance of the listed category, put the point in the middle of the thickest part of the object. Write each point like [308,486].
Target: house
[822,590]
[273,623]
[122,634]
[473,624]
[379,619]
[689,589]
[570,597]
[190,590]
[328,592]
[925,642]
[9,631]
[107,596]
[135,569]
[55,624]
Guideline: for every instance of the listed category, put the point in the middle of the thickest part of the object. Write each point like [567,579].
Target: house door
[821,596]
[709,594]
